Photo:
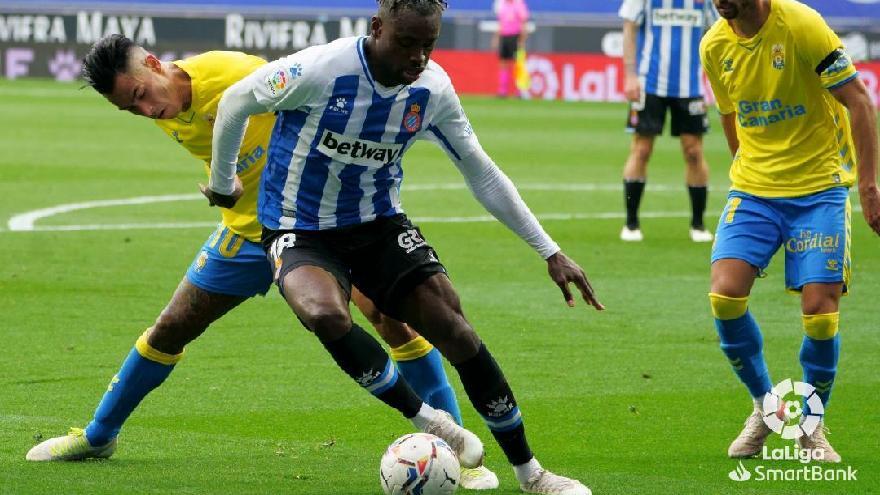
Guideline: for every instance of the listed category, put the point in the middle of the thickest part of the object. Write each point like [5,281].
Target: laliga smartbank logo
[788,419]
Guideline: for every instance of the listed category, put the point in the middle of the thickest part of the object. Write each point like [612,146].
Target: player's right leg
[418,361]
[748,235]
[222,276]
[422,366]
[316,284]
[645,121]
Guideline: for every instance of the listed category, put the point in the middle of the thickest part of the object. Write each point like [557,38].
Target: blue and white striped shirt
[335,154]
[668,49]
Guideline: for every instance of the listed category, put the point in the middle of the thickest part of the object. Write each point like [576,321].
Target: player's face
[147,90]
[731,9]
[404,43]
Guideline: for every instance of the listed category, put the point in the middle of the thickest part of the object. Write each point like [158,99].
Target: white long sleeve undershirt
[495,191]
[236,106]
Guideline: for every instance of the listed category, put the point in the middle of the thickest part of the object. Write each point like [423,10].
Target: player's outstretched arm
[863,122]
[494,190]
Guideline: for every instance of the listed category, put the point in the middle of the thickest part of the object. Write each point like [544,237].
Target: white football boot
[544,482]
[701,235]
[752,437]
[72,447]
[466,445]
[631,235]
[817,441]
[478,478]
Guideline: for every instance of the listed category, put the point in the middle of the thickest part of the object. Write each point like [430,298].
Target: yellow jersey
[210,74]
[794,137]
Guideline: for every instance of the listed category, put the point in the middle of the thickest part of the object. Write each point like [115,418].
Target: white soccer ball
[419,464]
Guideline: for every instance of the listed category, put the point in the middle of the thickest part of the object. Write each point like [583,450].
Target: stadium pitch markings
[26,222]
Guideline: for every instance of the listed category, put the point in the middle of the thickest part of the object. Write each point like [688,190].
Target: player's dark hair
[421,7]
[106,58]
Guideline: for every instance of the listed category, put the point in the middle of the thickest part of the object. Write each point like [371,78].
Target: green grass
[637,399]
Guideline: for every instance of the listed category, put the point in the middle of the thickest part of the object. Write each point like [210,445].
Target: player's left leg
[434,307]
[817,263]
[689,122]
[819,354]
[403,276]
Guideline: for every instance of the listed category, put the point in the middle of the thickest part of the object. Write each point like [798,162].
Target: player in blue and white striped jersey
[330,206]
[662,65]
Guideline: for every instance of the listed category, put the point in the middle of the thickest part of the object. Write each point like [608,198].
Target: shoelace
[77,438]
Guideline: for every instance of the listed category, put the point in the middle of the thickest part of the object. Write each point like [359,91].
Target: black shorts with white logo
[385,258]
[688,115]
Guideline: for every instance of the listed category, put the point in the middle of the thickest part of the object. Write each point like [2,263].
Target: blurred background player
[508,40]
[231,266]
[792,105]
[662,66]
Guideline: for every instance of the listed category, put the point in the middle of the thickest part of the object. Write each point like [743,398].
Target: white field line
[26,222]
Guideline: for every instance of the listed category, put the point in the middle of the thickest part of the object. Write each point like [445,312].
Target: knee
[641,153]
[821,326]
[327,323]
[726,307]
[693,155]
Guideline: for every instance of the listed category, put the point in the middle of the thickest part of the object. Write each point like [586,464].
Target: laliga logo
[544,81]
[774,403]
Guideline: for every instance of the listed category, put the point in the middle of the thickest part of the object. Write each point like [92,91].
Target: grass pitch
[638,399]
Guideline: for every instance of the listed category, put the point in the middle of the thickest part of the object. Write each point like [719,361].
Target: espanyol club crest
[412,121]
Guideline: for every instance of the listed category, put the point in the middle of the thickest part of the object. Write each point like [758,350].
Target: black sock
[491,396]
[632,195]
[359,355]
[698,194]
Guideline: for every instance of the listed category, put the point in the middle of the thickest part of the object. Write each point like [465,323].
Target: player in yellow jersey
[800,124]
[231,266]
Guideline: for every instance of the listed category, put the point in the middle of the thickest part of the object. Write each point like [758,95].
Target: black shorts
[508,46]
[688,115]
[385,258]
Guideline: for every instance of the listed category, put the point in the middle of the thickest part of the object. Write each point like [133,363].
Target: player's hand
[222,200]
[563,270]
[632,89]
[870,198]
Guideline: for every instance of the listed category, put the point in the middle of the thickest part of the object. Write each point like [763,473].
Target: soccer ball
[419,464]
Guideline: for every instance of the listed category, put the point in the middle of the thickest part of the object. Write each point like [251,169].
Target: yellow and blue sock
[143,370]
[741,342]
[819,353]
[422,366]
